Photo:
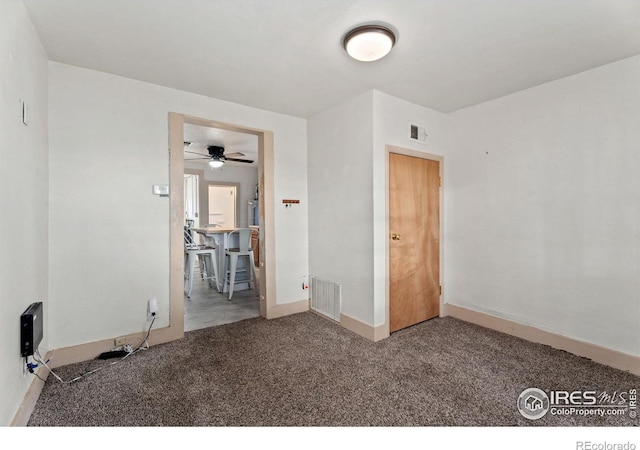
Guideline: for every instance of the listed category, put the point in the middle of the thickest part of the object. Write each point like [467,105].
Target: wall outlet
[120,341]
[152,308]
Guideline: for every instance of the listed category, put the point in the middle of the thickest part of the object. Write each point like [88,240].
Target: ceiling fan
[217,157]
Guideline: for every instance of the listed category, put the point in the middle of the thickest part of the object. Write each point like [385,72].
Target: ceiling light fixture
[369,42]
[217,156]
[215,163]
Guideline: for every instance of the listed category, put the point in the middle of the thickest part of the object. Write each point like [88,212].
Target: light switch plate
[161,189]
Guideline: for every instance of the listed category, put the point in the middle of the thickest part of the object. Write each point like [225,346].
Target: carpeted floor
[304,370]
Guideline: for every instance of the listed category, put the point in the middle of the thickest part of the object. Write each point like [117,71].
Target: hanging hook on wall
[288,203]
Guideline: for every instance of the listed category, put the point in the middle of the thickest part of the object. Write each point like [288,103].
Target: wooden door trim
[423,155]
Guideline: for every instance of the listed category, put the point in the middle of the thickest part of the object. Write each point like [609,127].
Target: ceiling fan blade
[199,154]
[196,159]
[234,155]
[238,160]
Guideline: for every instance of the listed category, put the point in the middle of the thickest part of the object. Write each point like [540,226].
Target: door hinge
[440,290]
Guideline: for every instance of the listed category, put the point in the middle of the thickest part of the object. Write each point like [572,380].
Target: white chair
[208,261]
[207,240]
[232,254]
[192,244]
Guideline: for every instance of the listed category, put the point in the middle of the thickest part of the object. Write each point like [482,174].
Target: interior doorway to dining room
[218,192]
[205,306]
[245,196]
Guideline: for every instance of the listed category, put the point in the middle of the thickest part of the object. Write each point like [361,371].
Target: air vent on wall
[326,297]
[417,133]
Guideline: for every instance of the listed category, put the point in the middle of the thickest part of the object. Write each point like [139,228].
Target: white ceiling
[286,55]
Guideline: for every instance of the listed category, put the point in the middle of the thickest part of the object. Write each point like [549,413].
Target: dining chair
[193,244]
[233,254]
[211,242]
[207,259]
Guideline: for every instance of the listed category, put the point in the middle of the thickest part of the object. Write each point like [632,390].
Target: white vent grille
[326,297]
[417,133]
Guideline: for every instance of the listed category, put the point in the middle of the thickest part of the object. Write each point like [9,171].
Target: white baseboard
[365,330]
[602,355]
[287,309]
[21,418]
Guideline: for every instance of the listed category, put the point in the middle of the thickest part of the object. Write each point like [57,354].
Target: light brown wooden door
[414,240]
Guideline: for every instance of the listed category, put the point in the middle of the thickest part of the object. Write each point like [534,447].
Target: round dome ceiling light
[369,42]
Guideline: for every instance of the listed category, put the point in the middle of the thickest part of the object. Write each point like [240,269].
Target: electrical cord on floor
[145,341]
[31,368]
[38,359]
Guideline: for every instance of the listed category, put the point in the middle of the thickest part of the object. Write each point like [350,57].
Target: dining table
[219,237]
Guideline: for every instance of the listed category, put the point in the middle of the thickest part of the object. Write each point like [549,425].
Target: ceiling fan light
[369,42]
[215,163]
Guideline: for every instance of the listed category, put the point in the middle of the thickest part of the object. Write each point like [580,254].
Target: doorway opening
[223,205]
[255,196]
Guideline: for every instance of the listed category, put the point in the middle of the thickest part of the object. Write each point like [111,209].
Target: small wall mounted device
[31,329]
[417,133]
[161,189]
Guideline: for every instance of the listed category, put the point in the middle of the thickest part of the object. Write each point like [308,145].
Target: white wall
[347,193]
[23,194]
[340,201]
[109,234]
[391,127]
[543,207]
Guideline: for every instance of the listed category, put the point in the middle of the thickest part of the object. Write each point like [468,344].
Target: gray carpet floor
[304,370]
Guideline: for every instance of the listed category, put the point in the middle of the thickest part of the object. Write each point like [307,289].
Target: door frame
[423,155]
[176,215]
[198,177]
[200,174]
